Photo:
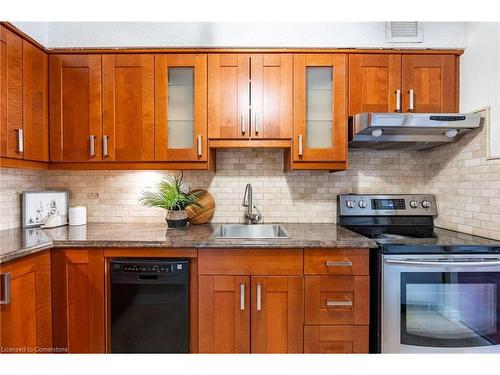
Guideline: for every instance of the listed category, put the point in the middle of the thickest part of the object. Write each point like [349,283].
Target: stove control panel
[386,205]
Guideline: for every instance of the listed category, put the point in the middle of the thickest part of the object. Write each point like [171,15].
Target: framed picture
[41,204]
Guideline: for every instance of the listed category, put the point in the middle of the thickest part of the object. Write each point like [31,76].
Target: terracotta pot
[177,219]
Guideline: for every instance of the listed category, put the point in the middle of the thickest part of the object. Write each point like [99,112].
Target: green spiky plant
[172,194]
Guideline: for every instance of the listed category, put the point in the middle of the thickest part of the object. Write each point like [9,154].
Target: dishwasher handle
[149,272]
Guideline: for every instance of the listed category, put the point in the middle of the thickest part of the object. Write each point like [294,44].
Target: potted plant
[173,195]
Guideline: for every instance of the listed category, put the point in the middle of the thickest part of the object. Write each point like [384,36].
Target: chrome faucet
[248,202]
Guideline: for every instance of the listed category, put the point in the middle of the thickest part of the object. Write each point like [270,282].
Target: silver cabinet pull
[259,297]
[301,151]
[200,148]
[242,297]
[412,99]
[344,263]
[398,100]
[243,125]
[105,145]
[330,303]
[92,145]
[20,140]
[256,123]
[6,289]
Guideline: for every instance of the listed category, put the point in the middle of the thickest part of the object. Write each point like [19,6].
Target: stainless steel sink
[257,231]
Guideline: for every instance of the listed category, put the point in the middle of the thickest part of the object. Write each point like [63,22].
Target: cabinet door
[229,96]
[35,103]
[26,321]
[429,83]
[181,107]
[11,94]
[320,107]
[271,96]
[224,314]
[374,83]
[75,108]
[78,300]
[128,107]
[277,314]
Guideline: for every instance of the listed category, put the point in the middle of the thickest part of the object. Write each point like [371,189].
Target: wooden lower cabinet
[336,339]
[258,314]
[26,320]
[224,314]
[78,300]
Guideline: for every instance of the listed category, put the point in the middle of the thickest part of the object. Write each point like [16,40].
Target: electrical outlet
[92,195]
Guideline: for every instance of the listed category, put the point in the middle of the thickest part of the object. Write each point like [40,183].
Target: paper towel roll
[77,215]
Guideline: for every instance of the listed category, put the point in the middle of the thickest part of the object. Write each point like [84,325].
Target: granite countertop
[16,243]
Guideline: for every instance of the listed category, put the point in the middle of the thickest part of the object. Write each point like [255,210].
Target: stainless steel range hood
[409,131]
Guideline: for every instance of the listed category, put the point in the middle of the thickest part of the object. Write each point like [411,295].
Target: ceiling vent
[404,32]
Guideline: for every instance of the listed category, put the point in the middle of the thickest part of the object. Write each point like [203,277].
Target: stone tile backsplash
[467,186]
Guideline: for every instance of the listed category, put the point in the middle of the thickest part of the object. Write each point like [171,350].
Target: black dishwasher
[149,306]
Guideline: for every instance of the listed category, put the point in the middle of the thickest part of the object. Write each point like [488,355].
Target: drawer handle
[347,303]
[6,291]
[343,263]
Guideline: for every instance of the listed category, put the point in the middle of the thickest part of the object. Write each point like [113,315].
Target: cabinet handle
[301,151]
[243,126]
[330,303]
[345,263]
[200,146]
[242,297]
[92,145]
[259,297]
[105,145]
[6,289]
[412,100]
[256,123]
[398,100]
[20,140]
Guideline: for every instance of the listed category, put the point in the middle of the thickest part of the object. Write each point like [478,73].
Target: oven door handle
[441,263]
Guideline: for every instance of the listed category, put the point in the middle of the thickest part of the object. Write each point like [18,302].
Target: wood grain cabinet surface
[402,83]
[75,108]
[128,107]
[26,320]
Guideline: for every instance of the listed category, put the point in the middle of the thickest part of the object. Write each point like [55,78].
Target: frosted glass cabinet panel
[319,107]
[320,110]
[181,107]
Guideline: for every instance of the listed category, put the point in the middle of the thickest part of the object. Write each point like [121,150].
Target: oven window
[450,309]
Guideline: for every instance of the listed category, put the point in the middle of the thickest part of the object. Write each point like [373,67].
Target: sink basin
[256,231]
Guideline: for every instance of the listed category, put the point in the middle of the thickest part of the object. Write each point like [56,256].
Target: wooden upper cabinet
[229,96]
[320,107]
[128,107]
[277,314]
[374,81]
[26,320]
[75,108]
[271,96]
[181,107]
[35,103]
[224,314]
[429,83]
[11,94]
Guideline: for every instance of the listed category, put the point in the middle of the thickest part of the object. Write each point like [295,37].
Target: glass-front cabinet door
[181,107]
[320,107]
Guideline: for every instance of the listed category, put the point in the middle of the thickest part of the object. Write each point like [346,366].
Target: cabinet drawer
[337,299]
[336,339]
[275,262]
[336,261]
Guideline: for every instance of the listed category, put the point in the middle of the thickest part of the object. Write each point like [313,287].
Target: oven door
[434,303]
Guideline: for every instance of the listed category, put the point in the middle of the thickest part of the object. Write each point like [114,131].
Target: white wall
[39,31]
[480,75]
[203,34]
